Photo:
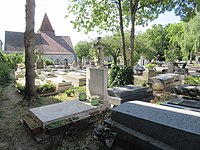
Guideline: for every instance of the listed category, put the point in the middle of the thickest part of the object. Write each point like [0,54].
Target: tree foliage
[121,76]
[112,47]
[190,41]
[82,49]
[158,41]
[91,15]
[5,69]
[174,34]
[104,15]
[108,15]
[14,59]
[142,46]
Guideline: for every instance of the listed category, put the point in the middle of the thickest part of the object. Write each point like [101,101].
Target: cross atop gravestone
[39,62]
[100,49]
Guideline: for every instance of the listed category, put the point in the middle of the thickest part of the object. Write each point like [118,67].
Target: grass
[58,124]
[62,97]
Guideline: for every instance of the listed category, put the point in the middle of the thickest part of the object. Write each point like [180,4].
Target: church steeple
[46,25]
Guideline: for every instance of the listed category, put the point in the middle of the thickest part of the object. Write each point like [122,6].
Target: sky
[12,18]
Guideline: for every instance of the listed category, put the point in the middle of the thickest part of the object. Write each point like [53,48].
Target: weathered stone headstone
[170,67]
[148,73]
[96,82]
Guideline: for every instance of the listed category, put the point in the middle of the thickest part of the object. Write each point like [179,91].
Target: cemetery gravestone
[151,126]
[96,82]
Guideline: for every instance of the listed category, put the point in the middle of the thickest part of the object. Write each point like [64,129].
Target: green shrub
[5,70]
[20,87]
[192,80]
[14,59]
[113,73]
[121,76]
[75,90]
[70,91]
[48,61]
[45,88]
[150,65]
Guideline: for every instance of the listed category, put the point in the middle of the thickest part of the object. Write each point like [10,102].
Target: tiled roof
[46,25]
[14,41]
[46,40]
[56,44]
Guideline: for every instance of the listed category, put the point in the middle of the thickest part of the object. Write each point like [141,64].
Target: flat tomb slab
[182,103]
[169,125]
[53,112]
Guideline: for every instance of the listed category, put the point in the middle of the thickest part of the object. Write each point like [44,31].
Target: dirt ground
[14,136]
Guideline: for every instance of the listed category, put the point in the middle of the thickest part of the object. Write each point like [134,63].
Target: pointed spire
[46,25]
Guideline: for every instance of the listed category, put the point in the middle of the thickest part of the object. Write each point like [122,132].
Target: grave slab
[175,127]
[118,95]
[183,103]
[64,110]
[53,112]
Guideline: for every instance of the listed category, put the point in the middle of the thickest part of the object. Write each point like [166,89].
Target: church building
[57,48]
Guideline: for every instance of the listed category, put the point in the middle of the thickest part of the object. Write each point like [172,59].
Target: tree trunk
[115,60]
[122,32]
[133,9]
[29,43]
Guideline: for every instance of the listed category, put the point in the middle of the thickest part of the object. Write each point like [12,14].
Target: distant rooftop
[46,40]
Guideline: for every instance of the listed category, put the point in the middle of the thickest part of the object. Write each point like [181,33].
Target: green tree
[142,11]
[109,15]
[112,47]
[190,41]
[82,49]
[158,40]
[143,46]
[174,34]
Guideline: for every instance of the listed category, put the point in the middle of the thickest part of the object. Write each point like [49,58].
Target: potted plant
[95,100]
[69,92]
[82,96]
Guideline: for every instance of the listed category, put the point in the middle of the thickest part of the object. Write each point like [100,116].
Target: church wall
[59,59]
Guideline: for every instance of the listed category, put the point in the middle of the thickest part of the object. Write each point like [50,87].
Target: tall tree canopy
[108,15]
[82,49]
[112,47]
[103,14]
[174,33]
[190,41]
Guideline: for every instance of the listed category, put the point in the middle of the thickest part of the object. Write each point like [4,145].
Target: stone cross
[100,49]
[39,62]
